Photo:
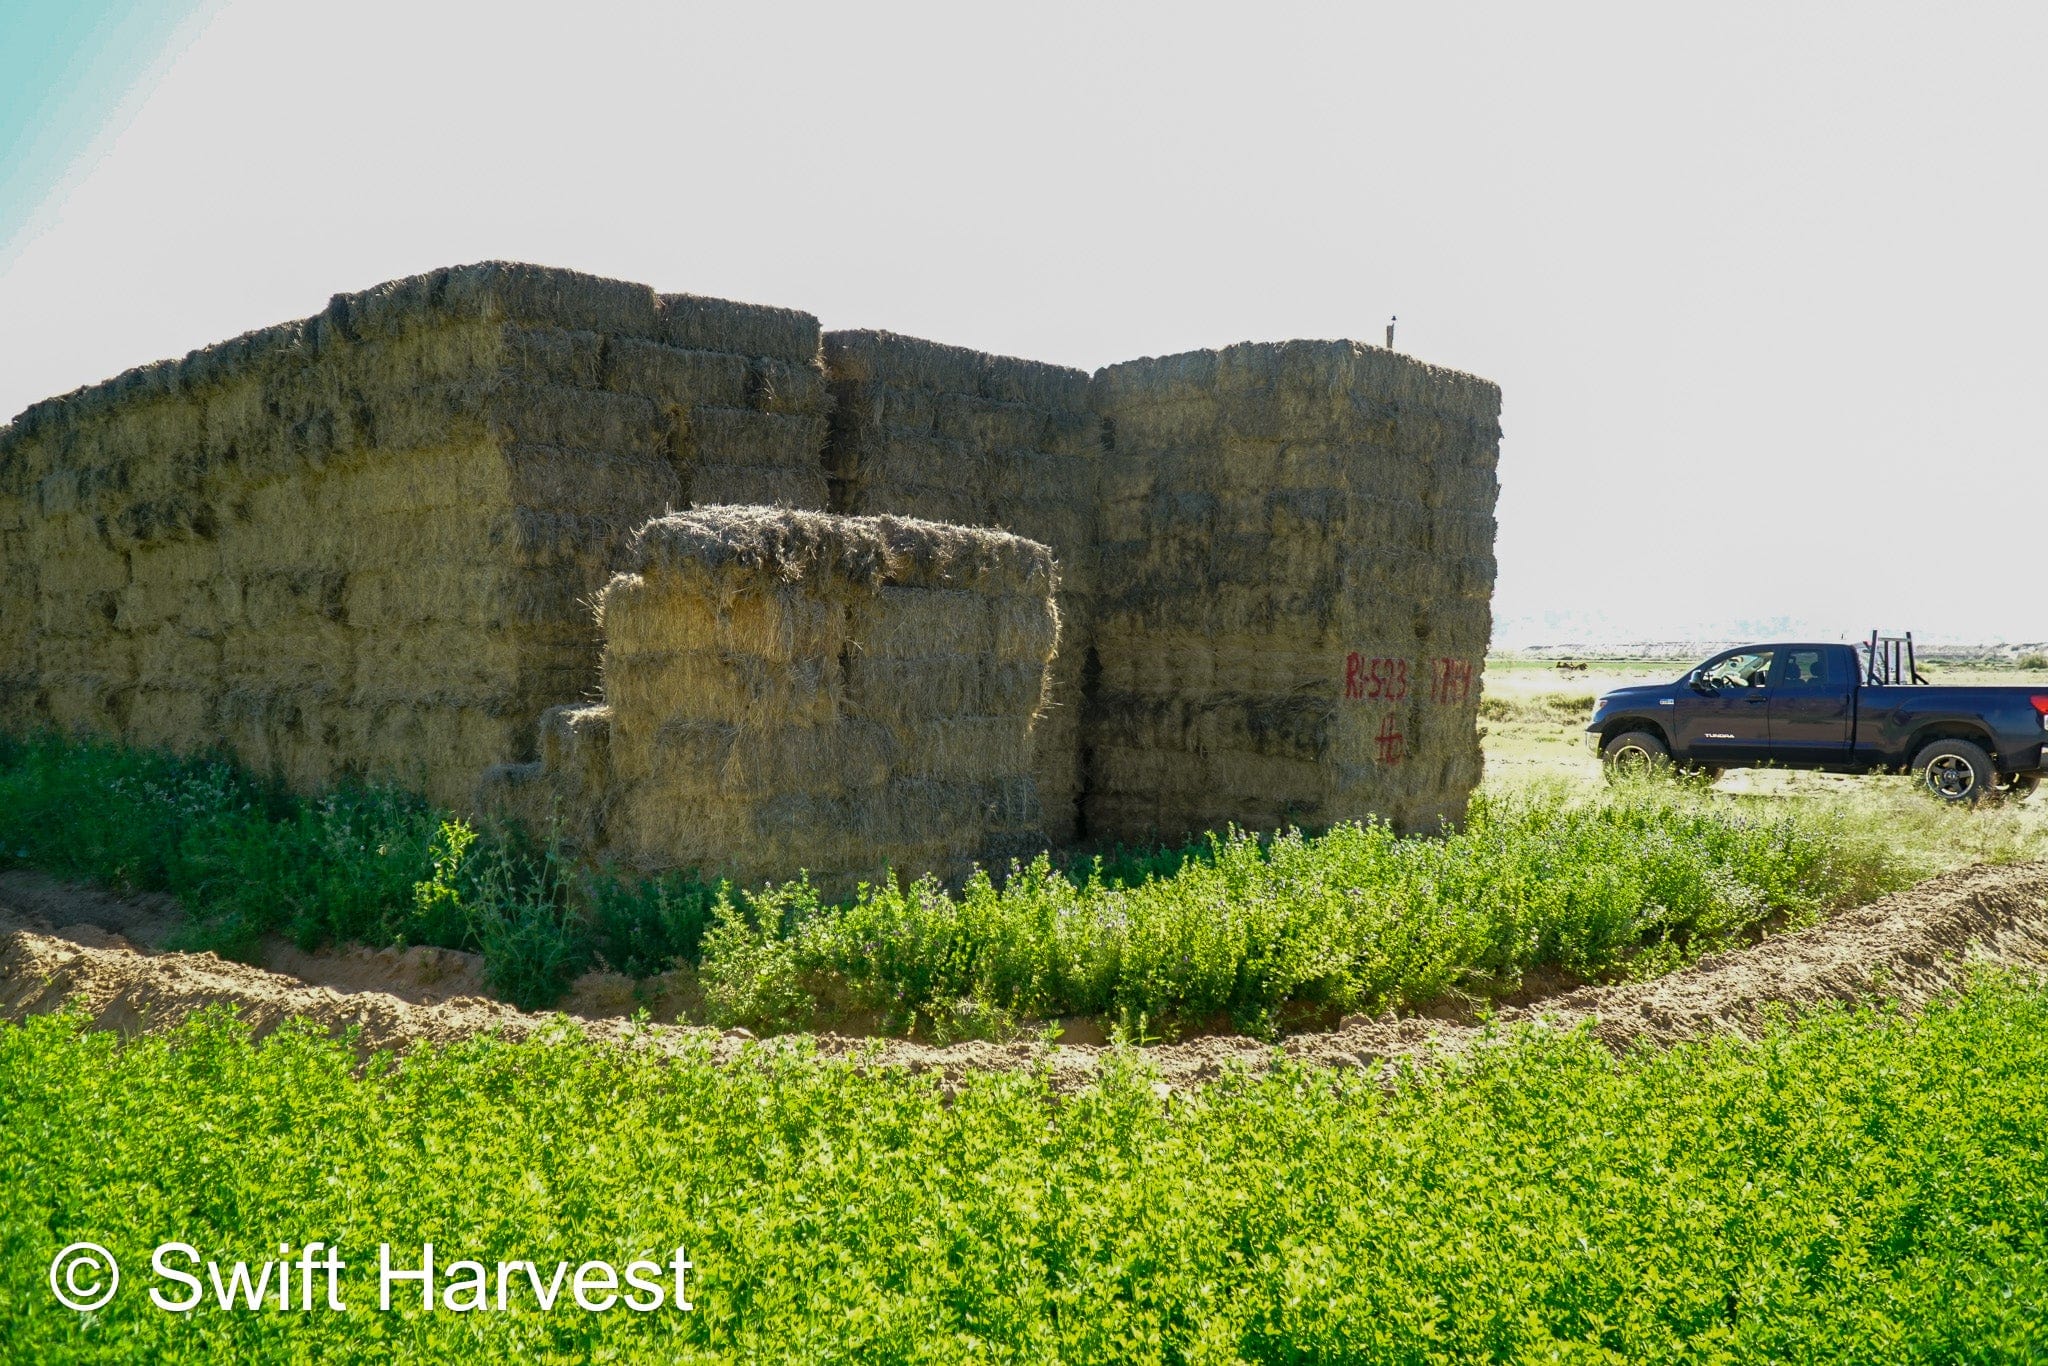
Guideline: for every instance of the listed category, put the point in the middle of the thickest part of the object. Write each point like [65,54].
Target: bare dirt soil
[1902,951]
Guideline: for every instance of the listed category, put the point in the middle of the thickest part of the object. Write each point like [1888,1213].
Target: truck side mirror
[1694,681]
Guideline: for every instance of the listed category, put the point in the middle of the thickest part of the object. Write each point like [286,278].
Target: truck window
[1805,669]
[1747,669]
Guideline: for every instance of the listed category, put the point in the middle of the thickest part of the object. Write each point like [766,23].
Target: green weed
[1356,918]
[247,859]
[1234,930]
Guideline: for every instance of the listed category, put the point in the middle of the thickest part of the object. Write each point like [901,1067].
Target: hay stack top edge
[873,356]
[880,551]
[512,291]
[1331,362]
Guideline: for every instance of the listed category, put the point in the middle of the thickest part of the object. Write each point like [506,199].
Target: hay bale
[407,501]
[791,690]
[372,539]
[948,434]
[1293,589]
[697,323]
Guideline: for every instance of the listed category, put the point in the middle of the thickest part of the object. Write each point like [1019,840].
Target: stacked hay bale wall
[1297,564]
[789,691]
[367,542]
[953,435]
[370,543]
[749,423]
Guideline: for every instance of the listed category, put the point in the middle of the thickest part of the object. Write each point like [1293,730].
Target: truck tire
[1957,772]
[1634,753]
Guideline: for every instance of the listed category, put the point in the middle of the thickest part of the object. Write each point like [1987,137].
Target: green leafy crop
[1857,1188]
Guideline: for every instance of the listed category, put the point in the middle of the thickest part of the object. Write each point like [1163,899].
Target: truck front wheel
[1635,753]
[1956,771]
[2018,786]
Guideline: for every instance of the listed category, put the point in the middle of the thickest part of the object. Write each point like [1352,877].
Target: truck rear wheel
[1956,771]
[1634,753]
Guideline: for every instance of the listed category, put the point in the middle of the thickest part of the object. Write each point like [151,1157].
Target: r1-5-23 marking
[1383,678]
[1377,680]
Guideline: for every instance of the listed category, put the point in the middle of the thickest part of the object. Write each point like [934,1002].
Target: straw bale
[783,689]
[451,478]
[698,323]
[553,355]
[942,686]
[1281,626]
[575,741]
[434,591]
[683,613]
[672,375]
[162,717]
[494,290]
[526,795]
[558,415]
[908,689]
[703,759]
[777,386]
[708,685]
[864,552]
[915,622]
[967,749]
[320,496]
[742,436]
[763,485]
[456,663]
[170,656]
[1044,480]
[564,795]
[987,424]
[950,434]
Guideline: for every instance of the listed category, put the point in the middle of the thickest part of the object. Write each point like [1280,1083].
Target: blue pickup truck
[1836,708]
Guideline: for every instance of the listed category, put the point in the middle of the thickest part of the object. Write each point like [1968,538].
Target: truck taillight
[2041,705]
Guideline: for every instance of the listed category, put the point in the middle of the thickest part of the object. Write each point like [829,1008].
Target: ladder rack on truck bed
[1891,662]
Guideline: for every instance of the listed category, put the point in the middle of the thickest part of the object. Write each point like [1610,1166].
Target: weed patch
[1356,918]
[1234,931]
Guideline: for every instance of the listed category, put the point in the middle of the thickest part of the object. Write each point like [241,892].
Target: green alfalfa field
[1857,1185]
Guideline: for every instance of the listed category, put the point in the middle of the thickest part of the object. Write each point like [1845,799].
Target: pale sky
[1763,285]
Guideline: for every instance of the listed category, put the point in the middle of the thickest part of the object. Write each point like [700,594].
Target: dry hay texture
[792,691]
[1297,571]
[366,542]
[370,543]
[954,435]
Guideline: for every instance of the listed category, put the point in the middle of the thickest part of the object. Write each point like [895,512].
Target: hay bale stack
[20,593]
[953,435]
[788,690]
[1297,574]
[758,434]
[367,542]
